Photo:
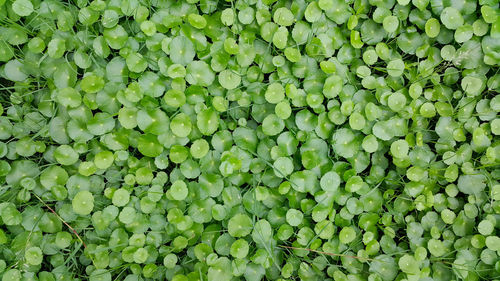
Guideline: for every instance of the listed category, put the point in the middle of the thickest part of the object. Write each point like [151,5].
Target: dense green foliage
[221,140]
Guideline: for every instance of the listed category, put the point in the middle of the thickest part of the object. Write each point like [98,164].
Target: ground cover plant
[249,140]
